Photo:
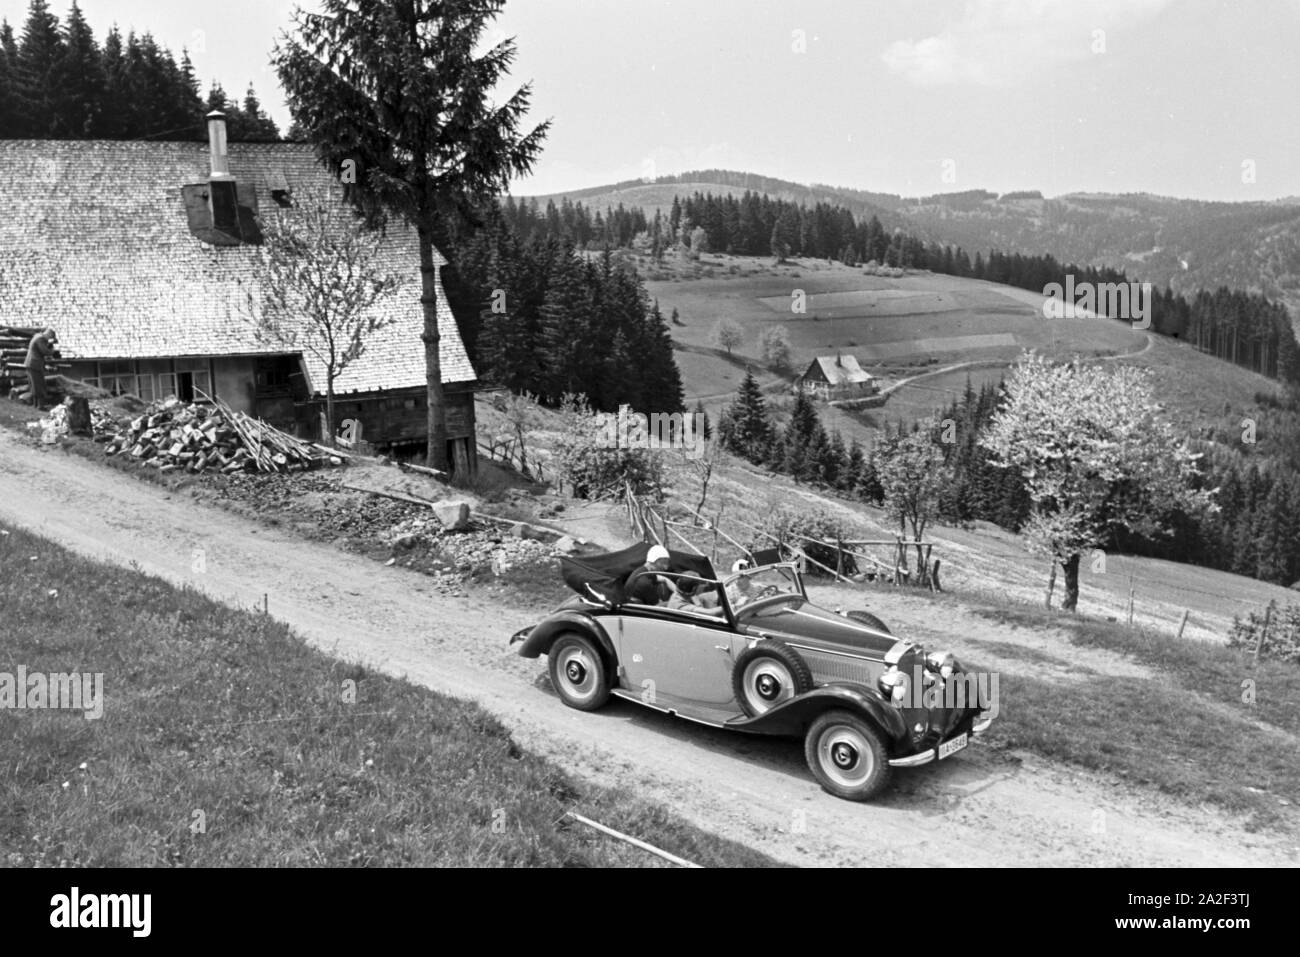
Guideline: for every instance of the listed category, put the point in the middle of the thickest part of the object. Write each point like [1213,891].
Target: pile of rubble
[199,436]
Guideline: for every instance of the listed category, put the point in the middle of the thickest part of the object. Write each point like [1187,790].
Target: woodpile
[207,435]
[14,341]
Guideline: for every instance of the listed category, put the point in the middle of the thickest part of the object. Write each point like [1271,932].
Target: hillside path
[983,808]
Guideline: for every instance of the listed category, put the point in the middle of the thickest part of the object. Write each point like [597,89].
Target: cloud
[997,42]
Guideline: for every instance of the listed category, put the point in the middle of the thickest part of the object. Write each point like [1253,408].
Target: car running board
[691,711]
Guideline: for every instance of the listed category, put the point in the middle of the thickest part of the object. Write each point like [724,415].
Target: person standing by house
[40,348]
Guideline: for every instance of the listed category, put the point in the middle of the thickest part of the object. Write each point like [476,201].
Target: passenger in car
[689,595]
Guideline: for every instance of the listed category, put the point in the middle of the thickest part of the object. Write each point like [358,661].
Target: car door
[667,654]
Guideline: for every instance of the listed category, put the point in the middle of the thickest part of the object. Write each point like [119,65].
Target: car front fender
[542,635]
[792,717]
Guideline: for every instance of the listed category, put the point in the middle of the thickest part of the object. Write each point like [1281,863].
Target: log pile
[14,341]
[208,436]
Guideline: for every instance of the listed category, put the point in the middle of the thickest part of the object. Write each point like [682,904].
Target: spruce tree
[750,424]
[80,80]
[40,52]
[115,122]
[707,427]
[9,124]
[854,463]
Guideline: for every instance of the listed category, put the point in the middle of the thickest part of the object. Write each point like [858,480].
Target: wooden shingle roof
[94,241]
[839,370]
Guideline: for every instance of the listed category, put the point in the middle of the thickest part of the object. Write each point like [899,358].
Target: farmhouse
[139,254]
[836,377]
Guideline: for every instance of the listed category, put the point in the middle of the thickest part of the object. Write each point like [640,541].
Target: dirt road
[981,808]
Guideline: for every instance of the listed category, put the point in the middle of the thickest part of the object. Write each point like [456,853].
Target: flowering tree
[728,333]
[775,344]
[911,470]
[1097,454]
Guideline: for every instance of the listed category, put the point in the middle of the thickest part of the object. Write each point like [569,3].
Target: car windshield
[762,583]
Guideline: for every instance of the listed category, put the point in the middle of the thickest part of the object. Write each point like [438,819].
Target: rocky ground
[323,507]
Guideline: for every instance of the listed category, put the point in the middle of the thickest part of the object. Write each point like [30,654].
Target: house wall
[234,382]
[401,415]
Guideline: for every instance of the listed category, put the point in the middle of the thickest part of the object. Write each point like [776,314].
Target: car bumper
[978,727]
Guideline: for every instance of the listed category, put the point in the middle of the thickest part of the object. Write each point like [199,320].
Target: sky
[1191,98]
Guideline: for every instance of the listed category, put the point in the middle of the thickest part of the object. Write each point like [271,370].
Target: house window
[118,378]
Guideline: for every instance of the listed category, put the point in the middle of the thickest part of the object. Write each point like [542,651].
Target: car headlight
[895,684]
[942,662]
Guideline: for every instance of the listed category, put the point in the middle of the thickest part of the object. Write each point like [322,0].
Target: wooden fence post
[1130,599]
[1263,635]
[1183,624]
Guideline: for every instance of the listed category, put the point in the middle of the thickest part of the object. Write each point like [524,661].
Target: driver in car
[741,590]
[646,586]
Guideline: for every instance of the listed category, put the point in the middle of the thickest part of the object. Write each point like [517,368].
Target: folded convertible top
[602,576]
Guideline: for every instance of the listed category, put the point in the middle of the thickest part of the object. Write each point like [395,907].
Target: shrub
[1281,640]
[593,467]
[789,526]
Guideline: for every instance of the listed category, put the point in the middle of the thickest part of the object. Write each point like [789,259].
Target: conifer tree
[40,52]
[80,79]
[750,423]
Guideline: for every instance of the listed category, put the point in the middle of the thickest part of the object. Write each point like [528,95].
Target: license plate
[952,746]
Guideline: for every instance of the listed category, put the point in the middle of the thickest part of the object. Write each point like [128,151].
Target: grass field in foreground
[226,740]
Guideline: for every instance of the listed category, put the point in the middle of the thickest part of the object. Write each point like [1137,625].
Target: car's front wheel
[847,756]
[578,672]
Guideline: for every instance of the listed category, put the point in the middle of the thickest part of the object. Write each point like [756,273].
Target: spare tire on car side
[768,673]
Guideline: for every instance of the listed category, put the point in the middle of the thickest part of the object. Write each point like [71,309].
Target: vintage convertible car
[751,653]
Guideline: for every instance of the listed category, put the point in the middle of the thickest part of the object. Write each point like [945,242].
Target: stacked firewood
[208,435]
[14,341]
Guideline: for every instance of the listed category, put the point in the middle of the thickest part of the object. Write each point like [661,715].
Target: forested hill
[1245,328]
[1188,245]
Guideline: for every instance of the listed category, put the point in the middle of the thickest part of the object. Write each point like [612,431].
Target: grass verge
[226,741]
[1210,727]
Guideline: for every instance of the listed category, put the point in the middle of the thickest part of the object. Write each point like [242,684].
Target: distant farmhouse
[139,254]
[836,377]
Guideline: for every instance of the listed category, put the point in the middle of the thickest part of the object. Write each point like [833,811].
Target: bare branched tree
[322,282]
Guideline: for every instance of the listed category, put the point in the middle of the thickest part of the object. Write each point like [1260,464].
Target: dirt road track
[978,809]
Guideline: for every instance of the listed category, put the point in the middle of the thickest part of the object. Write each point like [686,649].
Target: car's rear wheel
[767,674]
[578,672]
[847,756]
[870,620]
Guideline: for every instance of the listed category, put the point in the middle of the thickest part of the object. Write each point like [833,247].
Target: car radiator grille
[827,667]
